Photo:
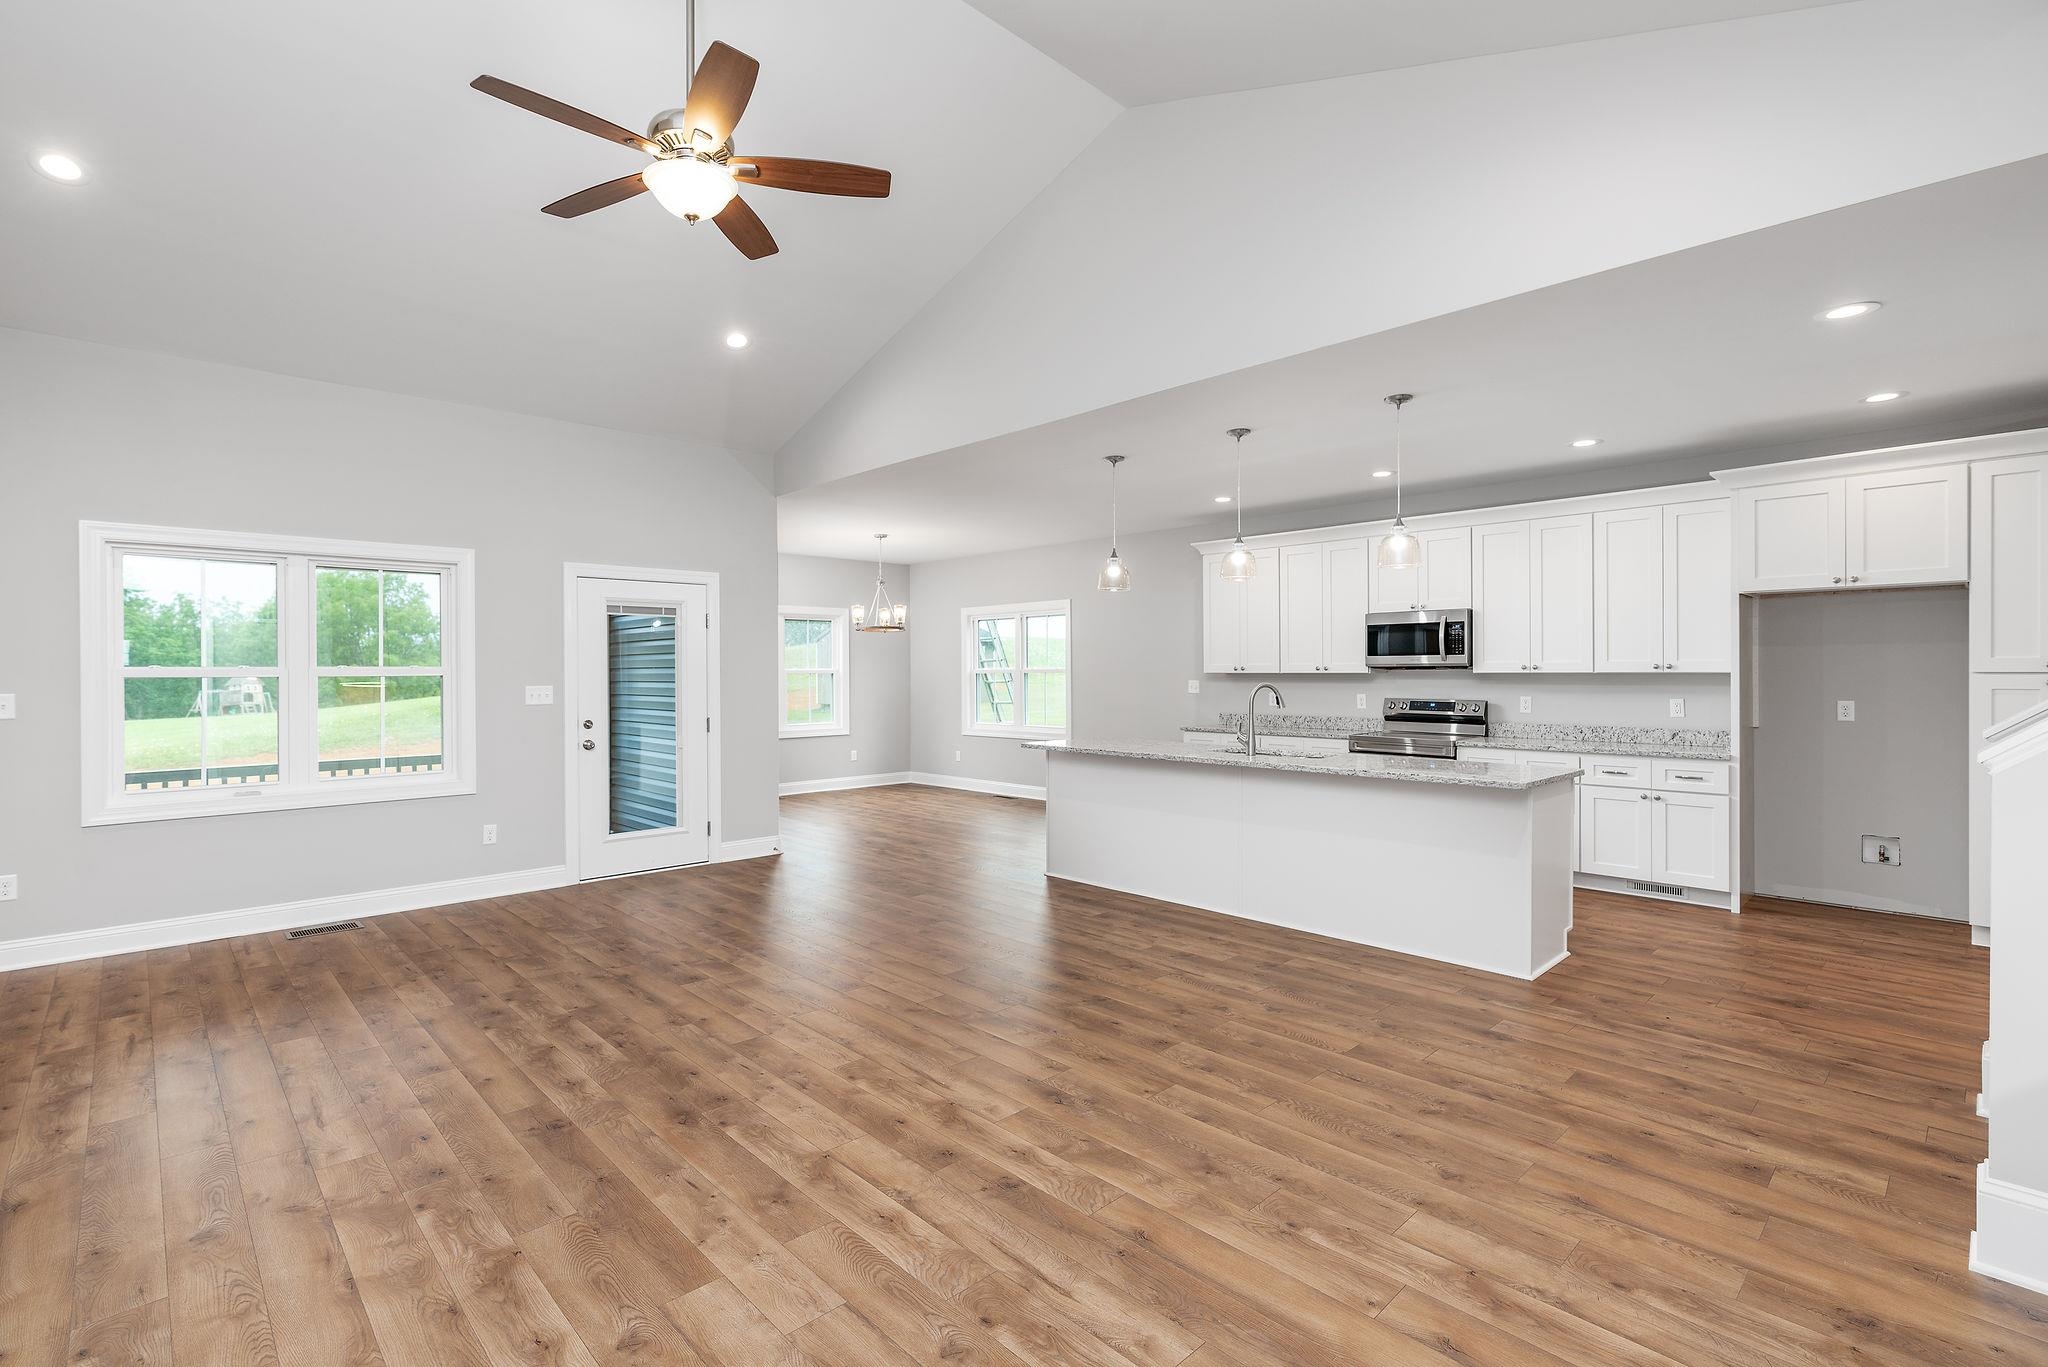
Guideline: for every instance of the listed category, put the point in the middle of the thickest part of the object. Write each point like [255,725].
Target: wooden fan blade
[744,229]
[813,177]
[719,94]
[597,197]
[561,113]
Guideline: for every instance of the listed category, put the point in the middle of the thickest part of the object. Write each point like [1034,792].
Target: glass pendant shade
[1399,550]
[1239,564]
[1114,577]
[690,188]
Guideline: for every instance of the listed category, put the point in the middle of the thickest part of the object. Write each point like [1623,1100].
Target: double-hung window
[227,672]
[817,690]
[1016,664]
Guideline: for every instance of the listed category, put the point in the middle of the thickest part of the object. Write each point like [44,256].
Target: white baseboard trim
[1980,936]
[1036,792]
[2011,1238]
[760,847]
[834,785]
[1856,901]
[313,911]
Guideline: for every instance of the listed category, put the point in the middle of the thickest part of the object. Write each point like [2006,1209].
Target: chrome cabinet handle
[590,745]
[1852,578]
[1838,579]
[1690,778]
[1642,797]
[1655,798]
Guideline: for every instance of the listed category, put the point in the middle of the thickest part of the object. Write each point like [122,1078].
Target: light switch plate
[852,755]
[1845,711]
[1678,707]
[6,707]
[1525,704]
[540,695]
[1194,685]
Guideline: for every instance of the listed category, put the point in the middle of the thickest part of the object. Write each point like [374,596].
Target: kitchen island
[1462,861]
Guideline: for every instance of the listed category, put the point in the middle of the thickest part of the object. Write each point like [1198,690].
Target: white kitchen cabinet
[1503,606]
[1909,527]
[1993,698]
[1532,595]
[1699,588]
[1615,834]
[2009,547]
[1443,580]
[1864,531]
[1689,840]
[1241,621]
[1628,590]
[1347,598]
[1304,618]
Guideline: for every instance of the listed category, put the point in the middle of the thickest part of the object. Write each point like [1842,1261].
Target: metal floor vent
[1668,889]
[305,931]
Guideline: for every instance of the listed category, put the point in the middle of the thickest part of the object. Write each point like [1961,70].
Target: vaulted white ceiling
[1145,51]
[314,189]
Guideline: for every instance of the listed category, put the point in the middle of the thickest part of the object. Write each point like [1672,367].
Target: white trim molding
[1035,792]
[841,671]
[760,847]
[2011,1238]
[1020,670]
[313,911]
[837,785]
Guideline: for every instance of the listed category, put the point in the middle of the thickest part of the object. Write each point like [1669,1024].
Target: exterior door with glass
[641,742]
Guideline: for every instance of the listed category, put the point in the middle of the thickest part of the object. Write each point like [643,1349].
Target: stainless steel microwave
[1432,638]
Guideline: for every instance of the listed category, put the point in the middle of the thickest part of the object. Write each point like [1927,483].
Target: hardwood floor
[895,1098]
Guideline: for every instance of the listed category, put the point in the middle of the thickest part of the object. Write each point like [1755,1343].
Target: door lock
[590,745]
[588,723]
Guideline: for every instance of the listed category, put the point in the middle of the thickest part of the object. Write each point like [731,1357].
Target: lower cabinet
[1660,834]
[1689,840]
[1615,837]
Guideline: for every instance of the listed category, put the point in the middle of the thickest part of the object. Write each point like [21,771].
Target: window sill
[1016,732]
[800,732]
[230,802]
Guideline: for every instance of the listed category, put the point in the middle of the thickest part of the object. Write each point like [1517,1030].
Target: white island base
[1479,876]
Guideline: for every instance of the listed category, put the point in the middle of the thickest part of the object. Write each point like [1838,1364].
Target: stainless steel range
[1424,726]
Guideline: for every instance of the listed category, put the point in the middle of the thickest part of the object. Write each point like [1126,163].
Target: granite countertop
[1466,773]
[1644,742]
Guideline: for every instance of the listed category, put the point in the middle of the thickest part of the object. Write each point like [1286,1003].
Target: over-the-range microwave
[1430,638]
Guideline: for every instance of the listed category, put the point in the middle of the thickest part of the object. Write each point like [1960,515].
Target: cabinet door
[1446,568]
[1628,591]
[1302,618]
[1393,590]
[1614,831]
[1993,698]
[1501,598]
[2009,546]
[1561,594]
[1222,619]
[1791,536]
[1910,526]
[1689,840]
[1699,587]
[1347,597]
[1262,615]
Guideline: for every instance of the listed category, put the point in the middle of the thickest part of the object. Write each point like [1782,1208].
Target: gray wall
[1901,768]
[92,432]
[1135,652]
[880,665]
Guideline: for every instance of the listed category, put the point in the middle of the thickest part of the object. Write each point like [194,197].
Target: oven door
[1428,639]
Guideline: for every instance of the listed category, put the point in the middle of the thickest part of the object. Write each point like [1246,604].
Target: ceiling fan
[695,172]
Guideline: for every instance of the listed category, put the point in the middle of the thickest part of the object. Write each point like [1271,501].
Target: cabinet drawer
[1494,756]
[1616,771]
[1208,740]
[1690,776]
[1302,745]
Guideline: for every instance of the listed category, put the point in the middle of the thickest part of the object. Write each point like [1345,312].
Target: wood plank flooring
[896,1098]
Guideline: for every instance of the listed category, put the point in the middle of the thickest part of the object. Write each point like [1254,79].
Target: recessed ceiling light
[1383,474]
[736,340]
[1855,310]
[1587,441]
[1223,498]
[59,167]
[1884,396]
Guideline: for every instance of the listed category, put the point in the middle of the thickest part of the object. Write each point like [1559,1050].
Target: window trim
[842,671]
[103,801]
[969,668]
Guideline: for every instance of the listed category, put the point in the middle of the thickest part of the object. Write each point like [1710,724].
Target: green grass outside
[412,726]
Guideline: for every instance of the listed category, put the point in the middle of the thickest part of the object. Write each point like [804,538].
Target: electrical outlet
[10,887]
[956,757]
[1364,701]
[1678,707]
[1524,704]
[853,754]
[1845,711]
[1194,685]
[6,707]
[490,835]
[540,695]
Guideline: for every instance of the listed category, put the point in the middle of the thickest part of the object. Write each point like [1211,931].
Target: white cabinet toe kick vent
[1662,889]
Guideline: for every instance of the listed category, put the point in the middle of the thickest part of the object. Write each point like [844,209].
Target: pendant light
[1399,550]
[1238,563]
[1114,577]
[881,614]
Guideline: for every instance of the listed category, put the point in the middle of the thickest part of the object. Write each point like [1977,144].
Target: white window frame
[969,669]
[841,671]
[102,699]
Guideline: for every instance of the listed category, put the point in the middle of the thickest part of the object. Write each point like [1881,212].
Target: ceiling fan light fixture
[690,187]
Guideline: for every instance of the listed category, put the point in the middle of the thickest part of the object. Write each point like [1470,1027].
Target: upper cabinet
[1532,595]
[1347,596]
[1304,610]
[1662,598]
[1241,621]
[1892,528]
[1443,580]
[1699,587]
[2009,593]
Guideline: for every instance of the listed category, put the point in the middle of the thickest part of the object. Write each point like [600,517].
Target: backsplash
[1568,737]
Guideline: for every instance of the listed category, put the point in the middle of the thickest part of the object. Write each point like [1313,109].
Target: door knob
[590,745]
[588,723]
